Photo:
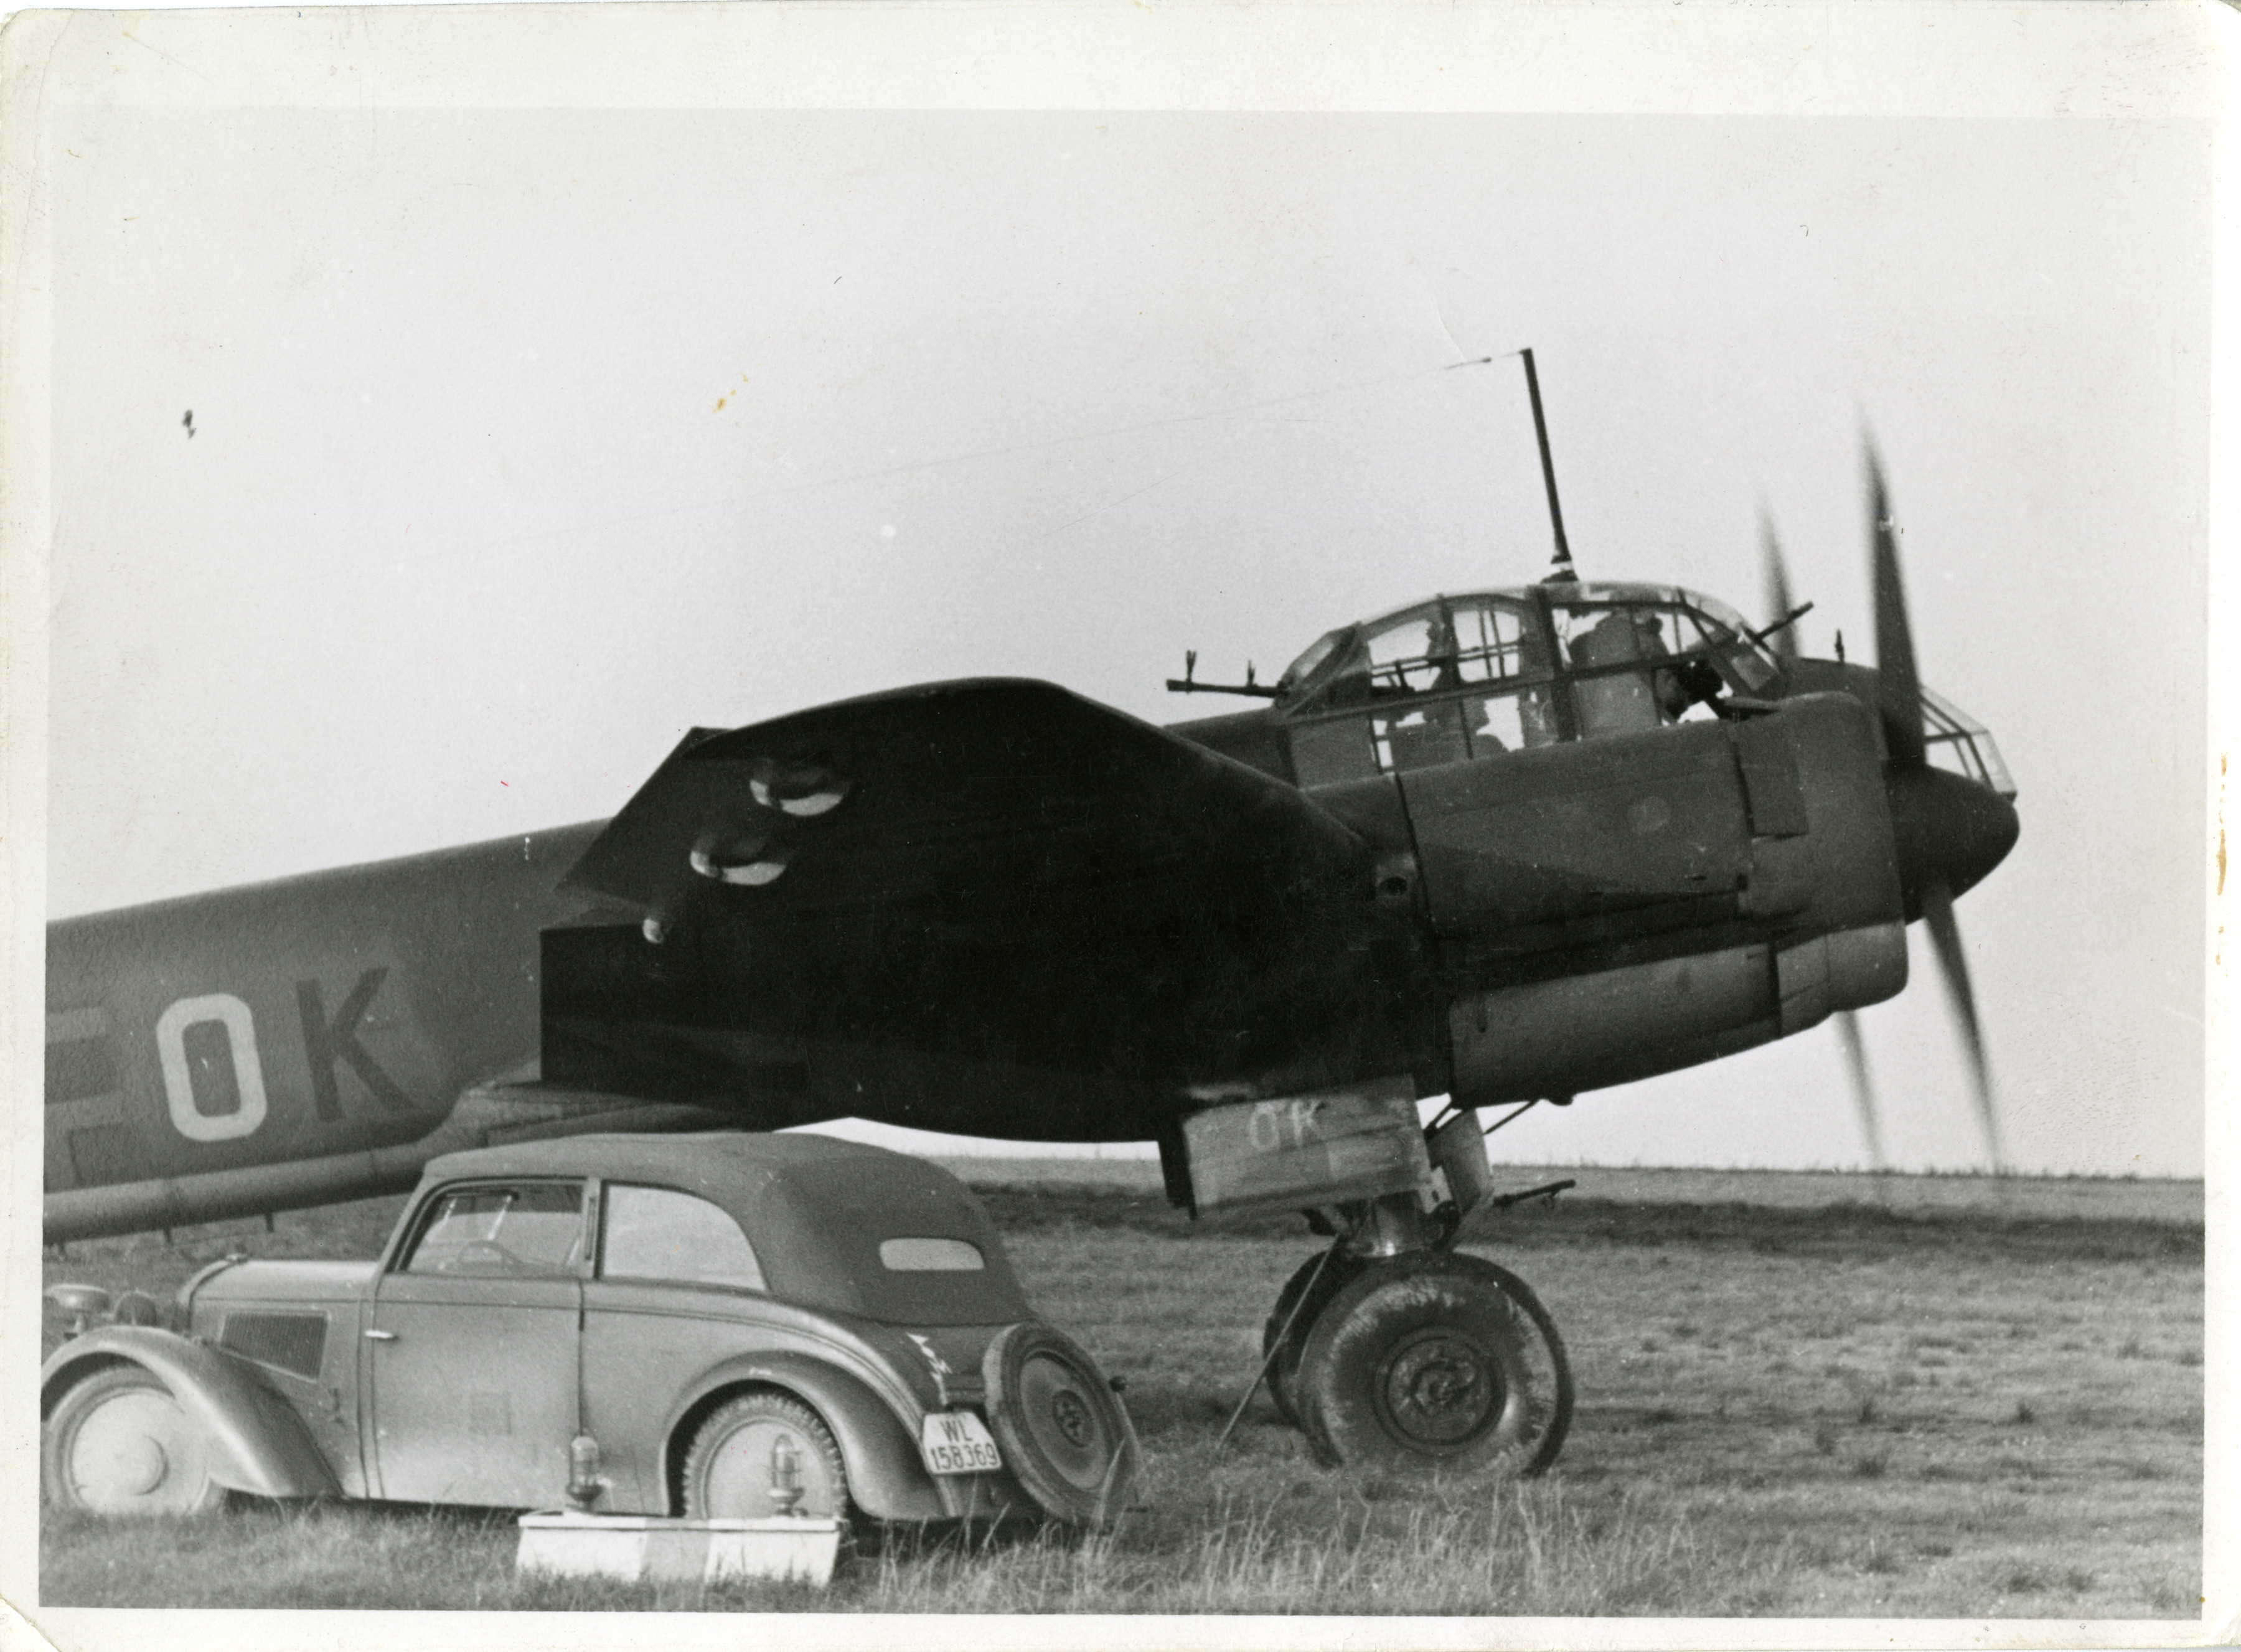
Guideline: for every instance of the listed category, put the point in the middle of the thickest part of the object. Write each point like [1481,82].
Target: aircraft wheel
[118,1443]
[1436,1360]
[729,1467]
[1285,1336]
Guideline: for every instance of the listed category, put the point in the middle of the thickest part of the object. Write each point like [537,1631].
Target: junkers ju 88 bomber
[1502,846]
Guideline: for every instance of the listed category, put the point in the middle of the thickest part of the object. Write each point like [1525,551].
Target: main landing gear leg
[1389,1351]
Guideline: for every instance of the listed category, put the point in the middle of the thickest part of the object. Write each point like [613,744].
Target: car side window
[524,1228]
[659,1233]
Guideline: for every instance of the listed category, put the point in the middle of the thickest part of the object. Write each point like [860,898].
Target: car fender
[258,1443]
[886,1478]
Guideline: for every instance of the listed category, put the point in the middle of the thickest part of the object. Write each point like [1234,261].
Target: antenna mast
[1562,560]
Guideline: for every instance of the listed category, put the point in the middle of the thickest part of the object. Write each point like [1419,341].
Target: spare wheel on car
[1065,1435]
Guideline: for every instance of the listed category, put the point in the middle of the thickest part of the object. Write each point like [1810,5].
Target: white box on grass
[634,1546]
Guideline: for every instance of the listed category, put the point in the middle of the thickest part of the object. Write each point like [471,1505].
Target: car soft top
[822,1215]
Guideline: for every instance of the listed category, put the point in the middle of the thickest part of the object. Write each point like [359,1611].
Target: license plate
[956,1442]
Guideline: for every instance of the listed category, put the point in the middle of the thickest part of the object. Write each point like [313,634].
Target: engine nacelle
[1736,881]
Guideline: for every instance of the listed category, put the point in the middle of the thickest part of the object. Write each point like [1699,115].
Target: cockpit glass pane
[1406,651]
[1452,644]
[1598,636]
[1495,640]
[1638,662]
[1715,610]
[1729,633]
[1955,741]
[1304,667]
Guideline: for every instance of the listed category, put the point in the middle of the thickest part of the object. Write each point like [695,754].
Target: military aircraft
[1501,846]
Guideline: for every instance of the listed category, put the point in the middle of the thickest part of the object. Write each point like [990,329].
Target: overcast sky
[525,438]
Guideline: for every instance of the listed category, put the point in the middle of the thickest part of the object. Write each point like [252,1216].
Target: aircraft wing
[990,871]
[990,787]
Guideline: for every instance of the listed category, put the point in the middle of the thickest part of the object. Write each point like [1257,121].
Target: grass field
[1924,1397]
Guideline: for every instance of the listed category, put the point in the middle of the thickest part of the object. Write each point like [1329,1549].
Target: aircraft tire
[1064,1432]
[1436,1360]
[118,1443]
[1320,1278]
[727,1468]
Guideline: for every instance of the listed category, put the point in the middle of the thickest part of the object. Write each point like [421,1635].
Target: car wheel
[1430,1361]
[738,1454]
[118,1443]
[1065,1435]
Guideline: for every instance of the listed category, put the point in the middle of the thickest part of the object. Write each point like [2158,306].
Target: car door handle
[381,1336]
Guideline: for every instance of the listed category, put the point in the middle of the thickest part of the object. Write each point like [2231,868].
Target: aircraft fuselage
[1528,877]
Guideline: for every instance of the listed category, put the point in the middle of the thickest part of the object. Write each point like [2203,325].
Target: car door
[663,1298]
[473,1347]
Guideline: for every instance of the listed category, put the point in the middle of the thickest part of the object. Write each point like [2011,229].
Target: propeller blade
[1776,579]
[1953,968]
[1901,686]
[1863,1094]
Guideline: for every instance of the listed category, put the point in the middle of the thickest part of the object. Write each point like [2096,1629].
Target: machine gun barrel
[1547,1190]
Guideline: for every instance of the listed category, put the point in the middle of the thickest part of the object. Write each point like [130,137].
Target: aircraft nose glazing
[1949,829]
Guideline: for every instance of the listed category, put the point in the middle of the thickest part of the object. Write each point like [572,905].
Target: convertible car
[709,1326]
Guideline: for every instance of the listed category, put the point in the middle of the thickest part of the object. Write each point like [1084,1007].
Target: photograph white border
[2080,61]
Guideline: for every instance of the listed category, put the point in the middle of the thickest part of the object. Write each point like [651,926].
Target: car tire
[1436,1361]
[1064,1432]
[729,1466]
[120,1443]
